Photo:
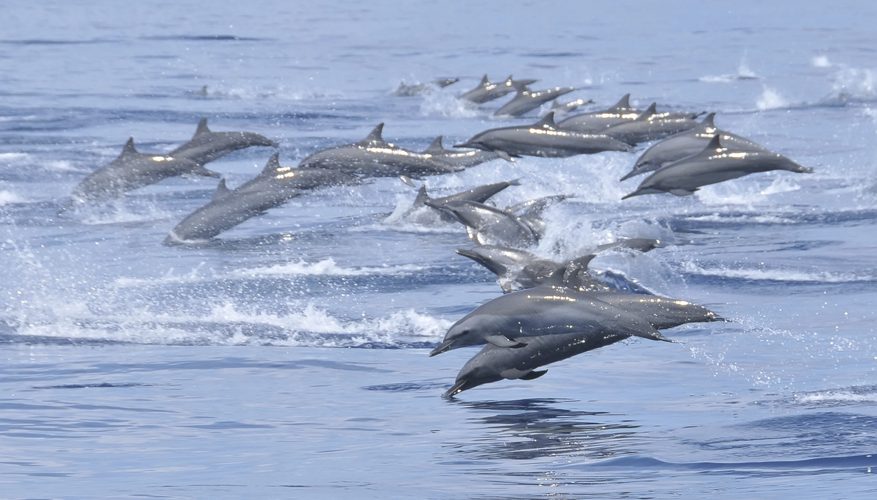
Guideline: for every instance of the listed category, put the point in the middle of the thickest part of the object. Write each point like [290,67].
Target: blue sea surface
[288,358]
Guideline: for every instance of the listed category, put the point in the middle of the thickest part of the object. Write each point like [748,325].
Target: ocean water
[288,358]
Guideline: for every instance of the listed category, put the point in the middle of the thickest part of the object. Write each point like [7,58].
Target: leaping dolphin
[488,91]
[515,319]
[456,157]
[206,145]
[543,139]
[274,186]
[132,170]
[596,121]
[478,194]
[491,225]
[716,163]
[649,126]
[375,157]
[527,100]
[685,144]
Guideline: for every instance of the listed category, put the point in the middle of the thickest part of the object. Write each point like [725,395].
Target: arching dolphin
[527,100]
[514,319]
[488,91]
[491,225]
[206,145]
[456,157]
[685,144]
[375,157]
[271,188]
[478,194]
[649,126]
[132,170]
[542,139]
[716,163]
[494,363]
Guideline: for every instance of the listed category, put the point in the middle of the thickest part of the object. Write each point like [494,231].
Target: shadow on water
[536,428]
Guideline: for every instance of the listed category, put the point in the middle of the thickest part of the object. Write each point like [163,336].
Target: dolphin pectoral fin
[682,192]
[533,375]
[503,341]
[652,334]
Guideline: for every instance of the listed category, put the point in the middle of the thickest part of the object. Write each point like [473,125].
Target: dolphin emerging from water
[206,145]
[375,157]
[132,170]
[543,139]
[715,163]
[488,91]
[478,194]
[491,225]
[527,100]
[271,188]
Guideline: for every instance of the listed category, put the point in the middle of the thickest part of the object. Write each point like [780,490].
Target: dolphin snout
[444,346]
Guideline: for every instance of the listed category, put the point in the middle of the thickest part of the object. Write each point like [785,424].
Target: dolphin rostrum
[514,319]
[207,145]
[132,170]
[715,163]
[488,91]
[527,100]
[543,139]
[375,157]
[271,188]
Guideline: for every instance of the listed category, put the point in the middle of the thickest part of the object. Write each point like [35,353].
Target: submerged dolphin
[649,126]
[488,91]
[375,157]
[494,363]
[491,225]
[514,319]
[132,170]
[527,100]
[271,188]
[543,139]
[685,144]
[478,194]
[206,145]
[715,163]
[456,157]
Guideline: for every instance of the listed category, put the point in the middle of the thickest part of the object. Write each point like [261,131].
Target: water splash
[771,99]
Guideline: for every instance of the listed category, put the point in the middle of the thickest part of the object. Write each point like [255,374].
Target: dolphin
[488,91]
[542,139]
[563,108]
[596,121]
[206,145]
[132,170]
[271,188]
[494,363]
[649,126]
[716,163]
[413,89]
[685,144]
[478,194]
[514,319]
[456,157]
[374,157]
[491,225]
[527,100]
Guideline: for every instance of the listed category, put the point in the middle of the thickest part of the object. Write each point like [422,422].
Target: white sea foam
[771,99]
[9,158]
[768,274]
[820,61]
[838,396]
[326,267]
[8,197]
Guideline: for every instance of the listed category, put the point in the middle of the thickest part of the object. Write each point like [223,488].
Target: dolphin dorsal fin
[484,80]
[715,143]
[648,113]
[222,190]
[272,164]
[547,121]
[435,147]
[622,104]
[509,80]
[708,120]
[422,197]
[376,135]
[128,148]
[201,128]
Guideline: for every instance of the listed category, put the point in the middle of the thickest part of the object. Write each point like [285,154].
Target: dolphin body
[413,89]
[488,91]
[564,108]
[274,186]
[491,225]
[375,157]
[596,121]
[685,144]
[478,194]
[649,126]
[132,170]
[494,363]
[715,163]
[514,319]
[206,145]
[456,157]
[543,139]
[527,100]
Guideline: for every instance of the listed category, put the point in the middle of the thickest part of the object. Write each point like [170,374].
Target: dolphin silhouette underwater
[274,186]
[132,170]
[715,163]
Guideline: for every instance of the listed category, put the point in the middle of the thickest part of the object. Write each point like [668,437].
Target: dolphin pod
[488,91]
[527,100]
